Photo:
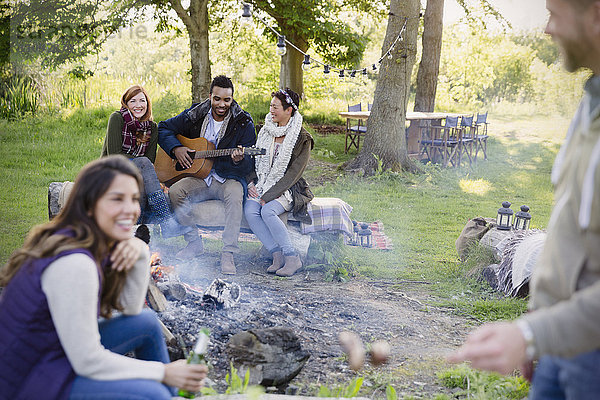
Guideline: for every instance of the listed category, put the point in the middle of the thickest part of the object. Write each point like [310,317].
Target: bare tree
[386,140]
[429,66]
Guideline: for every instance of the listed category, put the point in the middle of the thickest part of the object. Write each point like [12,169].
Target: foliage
[235,384]
[327,252]
[483,385]
[58,31]
[348,391]
[479,68]
[18,96]
[318,23]
[390,393]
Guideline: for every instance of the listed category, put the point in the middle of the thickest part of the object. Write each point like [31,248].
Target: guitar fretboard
[221,153]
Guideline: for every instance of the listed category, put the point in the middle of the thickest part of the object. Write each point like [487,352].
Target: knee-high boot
[169,226]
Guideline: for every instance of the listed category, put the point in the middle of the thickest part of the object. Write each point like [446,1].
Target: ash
[316,310]
[265,301]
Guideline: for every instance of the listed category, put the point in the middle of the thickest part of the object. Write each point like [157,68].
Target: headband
[288,99]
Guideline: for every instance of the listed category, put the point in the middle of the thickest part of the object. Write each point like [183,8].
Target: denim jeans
[575,378]
[142,335]
[268,227]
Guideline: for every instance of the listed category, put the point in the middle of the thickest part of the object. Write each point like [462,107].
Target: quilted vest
[33,364]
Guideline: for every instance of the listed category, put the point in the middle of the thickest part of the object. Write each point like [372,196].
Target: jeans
[151,185]
[190,190]
[575,378]
[268,227]
[138,333]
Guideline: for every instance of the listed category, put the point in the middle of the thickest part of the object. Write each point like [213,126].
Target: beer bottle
[197,356]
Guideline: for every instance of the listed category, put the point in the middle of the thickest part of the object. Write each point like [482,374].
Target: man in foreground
[562,329]
[221,121]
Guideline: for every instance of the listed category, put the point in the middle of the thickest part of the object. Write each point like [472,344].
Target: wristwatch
[530,350]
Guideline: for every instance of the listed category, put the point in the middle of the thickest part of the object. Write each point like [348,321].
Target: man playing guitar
[222,122]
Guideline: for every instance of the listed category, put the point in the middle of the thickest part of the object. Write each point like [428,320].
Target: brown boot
[227,264]
[292,264]
[192,250]
[277,262]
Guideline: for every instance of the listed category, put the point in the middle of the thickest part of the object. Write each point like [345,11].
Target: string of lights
[327,69]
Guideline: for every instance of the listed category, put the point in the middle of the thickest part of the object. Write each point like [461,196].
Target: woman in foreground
[82,265]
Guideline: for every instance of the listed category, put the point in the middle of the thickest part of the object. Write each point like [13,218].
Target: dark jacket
[292,179]
[33,364]
[239,131]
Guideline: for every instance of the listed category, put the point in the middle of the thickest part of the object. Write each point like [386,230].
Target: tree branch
[182,13]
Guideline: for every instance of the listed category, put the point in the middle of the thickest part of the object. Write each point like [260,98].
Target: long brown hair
[76,216]
[134,91]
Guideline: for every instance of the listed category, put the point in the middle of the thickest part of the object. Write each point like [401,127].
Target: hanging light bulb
[364,72]
[281,50]
[389,54]
[246,14]
[306,62]
[341,75]
[326,71]
[374,67]
[353,74]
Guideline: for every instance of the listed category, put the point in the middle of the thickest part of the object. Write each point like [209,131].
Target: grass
[422,213]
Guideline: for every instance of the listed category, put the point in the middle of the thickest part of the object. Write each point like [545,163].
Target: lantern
[365,235]
[522,219]
[504,218]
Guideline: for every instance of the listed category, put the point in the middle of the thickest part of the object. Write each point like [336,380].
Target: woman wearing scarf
[132,133]
[277,185]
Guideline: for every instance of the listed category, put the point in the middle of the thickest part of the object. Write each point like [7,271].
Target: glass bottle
[197,356]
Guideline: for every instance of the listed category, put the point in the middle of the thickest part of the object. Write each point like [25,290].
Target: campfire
[296,319]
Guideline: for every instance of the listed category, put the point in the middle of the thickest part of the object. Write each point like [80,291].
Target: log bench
[210,215]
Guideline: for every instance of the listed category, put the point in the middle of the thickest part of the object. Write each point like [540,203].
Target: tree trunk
[195,19]
[386,138]
[429,67]
[290,73]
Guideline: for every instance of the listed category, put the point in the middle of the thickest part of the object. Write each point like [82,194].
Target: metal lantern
[504,218]
[522,219]
[365,235]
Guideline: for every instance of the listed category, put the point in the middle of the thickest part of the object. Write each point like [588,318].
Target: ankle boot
[195,248]
[277,262]
[227,264]
[292,264]
[169,226]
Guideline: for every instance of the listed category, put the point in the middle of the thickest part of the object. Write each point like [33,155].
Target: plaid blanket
[329,214]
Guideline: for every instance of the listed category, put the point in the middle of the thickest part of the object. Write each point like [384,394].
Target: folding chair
[354,132]
[446,142]
[481,134]
[467,139]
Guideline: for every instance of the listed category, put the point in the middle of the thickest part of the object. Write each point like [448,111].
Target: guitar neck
[215,153]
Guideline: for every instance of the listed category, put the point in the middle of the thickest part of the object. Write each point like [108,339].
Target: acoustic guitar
[169,170]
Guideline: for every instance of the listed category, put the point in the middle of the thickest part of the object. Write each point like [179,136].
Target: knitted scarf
[136,134]
[270,171]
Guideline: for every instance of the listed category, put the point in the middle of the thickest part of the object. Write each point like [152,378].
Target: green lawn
[422,213]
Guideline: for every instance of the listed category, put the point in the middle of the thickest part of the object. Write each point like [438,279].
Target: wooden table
[414,131]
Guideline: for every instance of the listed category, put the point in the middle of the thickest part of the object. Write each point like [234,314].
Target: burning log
[274,356]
